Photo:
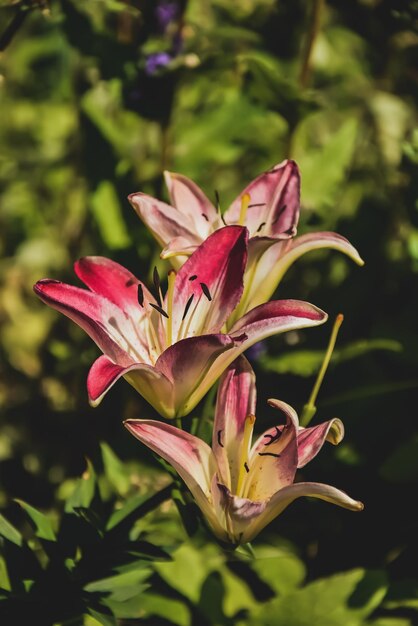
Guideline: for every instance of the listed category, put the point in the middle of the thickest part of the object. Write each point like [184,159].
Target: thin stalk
[314,28]
[309,409]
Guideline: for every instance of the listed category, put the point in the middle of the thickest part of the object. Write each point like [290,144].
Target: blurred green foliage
[96,99]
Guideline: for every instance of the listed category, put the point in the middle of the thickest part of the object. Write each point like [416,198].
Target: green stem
[314,28]
[309,409]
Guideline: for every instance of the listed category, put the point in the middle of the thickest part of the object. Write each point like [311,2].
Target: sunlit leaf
[43,525]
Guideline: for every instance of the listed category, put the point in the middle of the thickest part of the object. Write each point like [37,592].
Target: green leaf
[100,619]
[160,606]
[115,471]
[9,532]
[324,169]
[107,212]
[402,594]
[342,600]
[189,558]
[4,577]
[280,569]
[122,586]
[128,509]
[43,525]
[307,362]
[84,490]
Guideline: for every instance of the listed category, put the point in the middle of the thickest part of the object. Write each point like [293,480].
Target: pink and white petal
[164,221]
[268,319]
[275,317]
[114,282]
[190,200]
[287,495]
[277,192]
[148,381]
[190,456]
[187,364]
[273,458]
[101,319]
[240,511]
[235,400]
[179,246]
[213,275]
[310,440]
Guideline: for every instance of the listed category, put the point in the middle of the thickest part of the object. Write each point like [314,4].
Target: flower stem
[314,27]
[309,409]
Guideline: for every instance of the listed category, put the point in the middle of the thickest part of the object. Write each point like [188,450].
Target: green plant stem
[314,28]
[309,409]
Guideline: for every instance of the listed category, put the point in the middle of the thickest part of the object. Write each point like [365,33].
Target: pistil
[170,297]
[245,447]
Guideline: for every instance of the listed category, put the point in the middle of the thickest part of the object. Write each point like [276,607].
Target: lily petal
[275,202]
[264,321]
[287,495]
[190,456]
[213,275]
[236,400]
[276,260]
[164,221]
[96,315]
[239,512]
[273,459]
[114,282]
[310,440]
[151,384]
[190,200]
[187,364]
[179,246]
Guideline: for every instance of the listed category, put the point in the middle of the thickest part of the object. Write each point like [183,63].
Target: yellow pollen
[245,201]
[245,447]
[170,295]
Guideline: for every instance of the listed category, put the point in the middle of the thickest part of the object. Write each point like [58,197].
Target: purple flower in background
[157,61]
[166,13]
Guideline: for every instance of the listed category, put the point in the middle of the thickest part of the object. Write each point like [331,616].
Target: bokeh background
[97,98]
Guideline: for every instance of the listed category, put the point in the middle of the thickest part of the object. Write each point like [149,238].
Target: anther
[187,307]
[193,277]
[130,282]
[159,309]
[205,216]
[206,291]
[219,438]
[279,212]
[247,469]
[261,226]
[273,438]
[269,454]
[140,295]
[217,201]
[257,204]
[157,284]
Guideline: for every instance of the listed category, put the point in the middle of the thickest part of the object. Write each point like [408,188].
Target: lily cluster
[173,347]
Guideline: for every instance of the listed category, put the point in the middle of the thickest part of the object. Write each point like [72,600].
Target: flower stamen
[170,295]
[245,448]
[245,201]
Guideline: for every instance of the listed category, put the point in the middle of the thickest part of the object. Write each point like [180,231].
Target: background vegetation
[97,98]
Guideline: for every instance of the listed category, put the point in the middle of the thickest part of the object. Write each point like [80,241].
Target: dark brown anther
[257,204]
[219,438]
[159,309]
[206,291]
[140,295]
[130,282]
[157,284]
[274,437]
[193,277]
[261,226]
[269,454]
[280,211]
[247,469]
[205,216]
[187,307]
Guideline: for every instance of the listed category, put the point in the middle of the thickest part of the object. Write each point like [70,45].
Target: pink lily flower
[269,206]
[239,487]
[171,349]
